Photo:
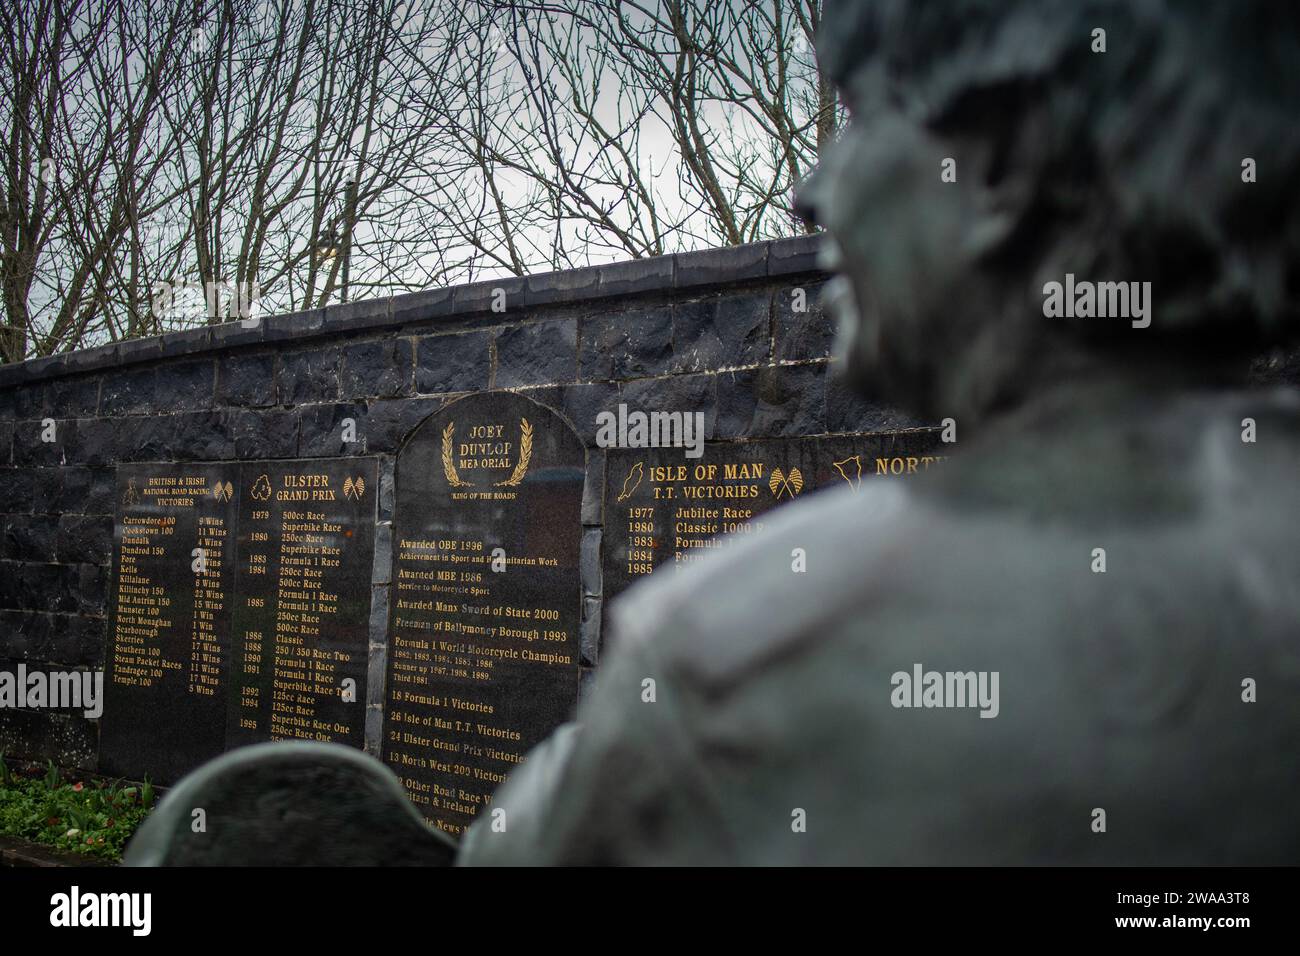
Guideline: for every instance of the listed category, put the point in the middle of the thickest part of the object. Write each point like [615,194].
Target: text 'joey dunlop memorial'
[486,598]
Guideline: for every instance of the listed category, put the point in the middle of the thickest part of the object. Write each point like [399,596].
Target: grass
[95,818]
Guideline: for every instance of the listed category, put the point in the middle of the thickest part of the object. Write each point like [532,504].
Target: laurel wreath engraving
[516,476]
[449,466]
[525,453]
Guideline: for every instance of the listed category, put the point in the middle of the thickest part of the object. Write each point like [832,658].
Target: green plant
[96,818]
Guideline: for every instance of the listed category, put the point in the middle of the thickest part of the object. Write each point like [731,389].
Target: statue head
[1104,140]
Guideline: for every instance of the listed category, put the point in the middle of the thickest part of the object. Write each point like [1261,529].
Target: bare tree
[738,85]
[163,165]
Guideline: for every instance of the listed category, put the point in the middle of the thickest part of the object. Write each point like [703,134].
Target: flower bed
[95,818]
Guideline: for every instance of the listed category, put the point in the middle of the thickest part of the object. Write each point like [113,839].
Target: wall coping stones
[677,272]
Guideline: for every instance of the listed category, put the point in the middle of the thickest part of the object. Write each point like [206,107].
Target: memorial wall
[390,524]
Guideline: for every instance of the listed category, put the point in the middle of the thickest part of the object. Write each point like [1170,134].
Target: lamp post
[327,246]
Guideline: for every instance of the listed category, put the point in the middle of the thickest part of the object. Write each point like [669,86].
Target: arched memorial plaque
[484,614]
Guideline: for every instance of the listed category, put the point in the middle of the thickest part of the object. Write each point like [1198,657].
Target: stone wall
[714,331]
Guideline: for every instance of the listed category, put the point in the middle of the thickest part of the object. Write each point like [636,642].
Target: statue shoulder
[762,596]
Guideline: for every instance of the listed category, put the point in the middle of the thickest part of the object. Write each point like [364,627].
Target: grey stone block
[847,411]
[29,449]
[377,656]
[719,266]
[537,353]
[264,433]
[27,537]
[379,621]
[70,741]
[103,492]
[63,489]
[386,466]
[88,636]
[321,434]
[651,274]
[629,343]
[311,375]
[89,584]
[231,334]
[131,392]
[416,307]
[453,362]
[19,628]
[589,562]
[293,325]
[246,379]
[593,488]
[96,442]
[133,351]
[569,285]
[41,587]
[479,297]
[590,636]
[381,573]
[10,584]
[775,401]
[581,403]
[798,336]
[186,342]
[89,360]
[552,396]
[66,640]
[28,401]
[186,386]
[378,368]
[647,344]
[145,438]
[675,393]
[45,367]
[374,735]
[362,314]
[388,423]
[203,436]
[793,255]
[85,538]
[72,397]
[722,331]
[51,488]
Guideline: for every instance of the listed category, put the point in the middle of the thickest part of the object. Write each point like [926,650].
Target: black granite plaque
[485,601]
[169,614]
[266,638]
[301,621]
[662,508]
